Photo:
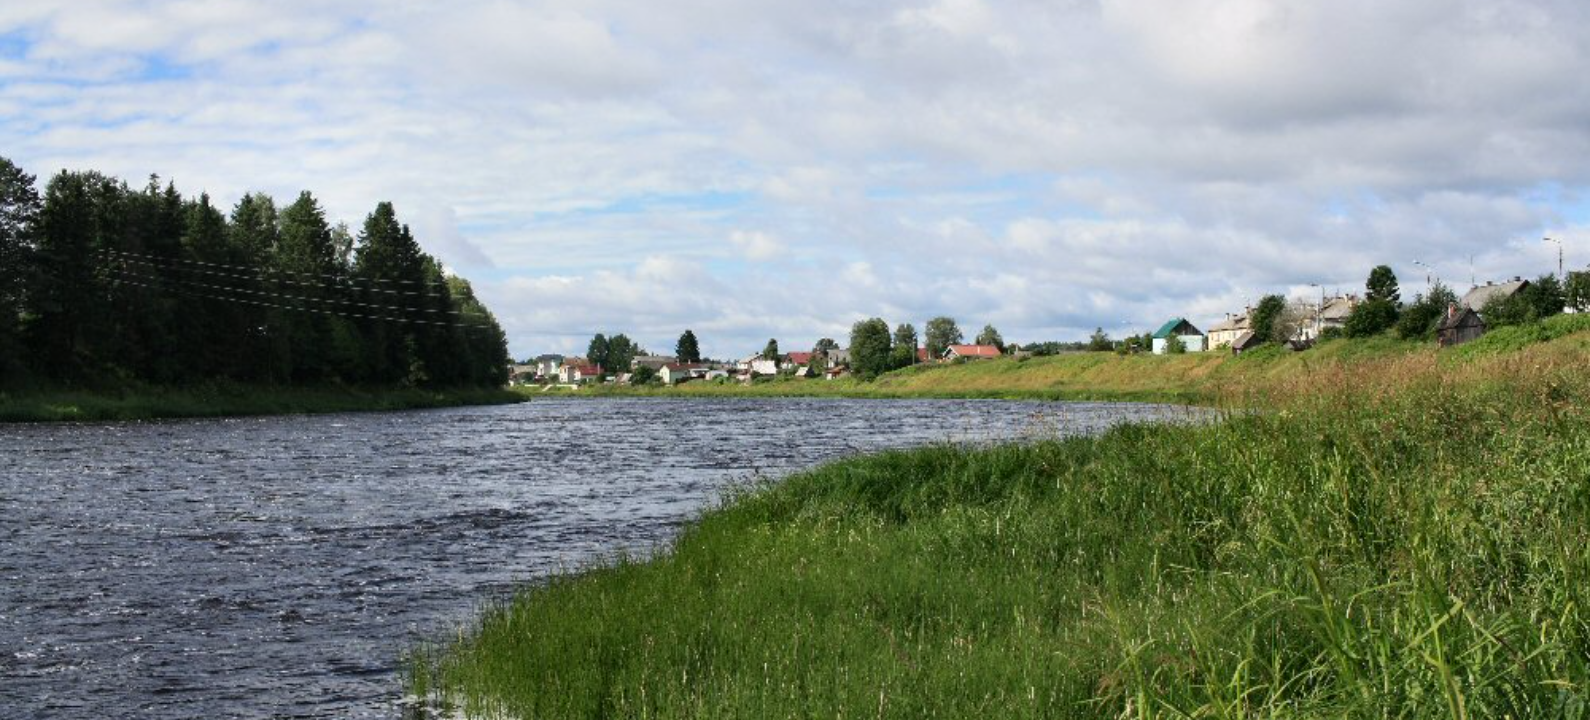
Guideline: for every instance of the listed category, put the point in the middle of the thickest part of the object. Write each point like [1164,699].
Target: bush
[1371,318]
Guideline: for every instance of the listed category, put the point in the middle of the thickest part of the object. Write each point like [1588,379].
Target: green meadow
[1202,378]
[1373,531]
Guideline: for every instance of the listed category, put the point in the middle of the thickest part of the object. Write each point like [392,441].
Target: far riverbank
[1208,378]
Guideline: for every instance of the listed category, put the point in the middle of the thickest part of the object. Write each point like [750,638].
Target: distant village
[1437,315]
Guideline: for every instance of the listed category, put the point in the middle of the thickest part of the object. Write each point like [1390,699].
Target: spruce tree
[19,211]
[687,349]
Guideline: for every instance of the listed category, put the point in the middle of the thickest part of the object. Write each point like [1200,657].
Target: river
[281,567]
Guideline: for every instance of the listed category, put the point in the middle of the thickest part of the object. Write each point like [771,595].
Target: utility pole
[1559,255]
[1427,272]
[1319,315]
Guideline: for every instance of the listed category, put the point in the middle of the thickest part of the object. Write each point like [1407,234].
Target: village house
[1225,332]
[1189,335]
[757,365]
[1460,325]
[971,352]
[1245,342]
[574,371]
[655,362]
[839,357]
[547,365]
[796,361]
[521,373]
[1333,314]
[675,373]
[1481,295]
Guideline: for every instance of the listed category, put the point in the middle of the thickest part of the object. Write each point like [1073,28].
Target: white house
[577,370]
[547,365]
[757,365]
[674,373]
[1226,331]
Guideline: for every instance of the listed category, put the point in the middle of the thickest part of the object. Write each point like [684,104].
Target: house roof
[1174,325]
[1337,308]
[800,358]
[1477,298]
[1246,340]
[588,369]
[1465,317]
[677,367]
[1232,322]
[987,351]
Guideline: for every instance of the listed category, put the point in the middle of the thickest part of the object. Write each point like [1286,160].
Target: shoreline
[1300,561]
[230,400]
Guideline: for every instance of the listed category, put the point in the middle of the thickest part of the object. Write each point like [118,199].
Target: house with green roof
[1190,336]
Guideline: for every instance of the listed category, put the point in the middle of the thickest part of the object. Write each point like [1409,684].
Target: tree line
[102,283]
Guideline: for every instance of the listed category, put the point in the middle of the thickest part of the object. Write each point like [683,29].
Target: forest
[103,284]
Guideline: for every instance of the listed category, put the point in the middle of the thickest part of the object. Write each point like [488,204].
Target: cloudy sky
[759,168]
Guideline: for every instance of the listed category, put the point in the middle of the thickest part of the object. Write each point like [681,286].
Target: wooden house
[1459,326]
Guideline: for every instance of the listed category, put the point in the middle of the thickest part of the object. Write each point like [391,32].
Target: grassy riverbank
[1397,538]
[142,403]
[1192,378]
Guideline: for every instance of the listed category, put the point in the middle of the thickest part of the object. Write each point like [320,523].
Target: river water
[281,567]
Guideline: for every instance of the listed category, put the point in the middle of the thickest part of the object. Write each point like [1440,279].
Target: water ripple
[280,567]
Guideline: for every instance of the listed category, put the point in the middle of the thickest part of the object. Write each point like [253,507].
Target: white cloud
[756,246]
[1044,166]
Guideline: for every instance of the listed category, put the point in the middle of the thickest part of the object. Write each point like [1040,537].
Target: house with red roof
[971,352]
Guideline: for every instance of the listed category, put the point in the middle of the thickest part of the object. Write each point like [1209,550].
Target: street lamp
[1319,315]
[1428,271]
[1559,254]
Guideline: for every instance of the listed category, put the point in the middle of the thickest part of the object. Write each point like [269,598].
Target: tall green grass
[1402,539]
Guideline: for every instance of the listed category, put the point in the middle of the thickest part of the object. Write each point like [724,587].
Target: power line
[318,311]
[257,274]
[334,276]
[340,301]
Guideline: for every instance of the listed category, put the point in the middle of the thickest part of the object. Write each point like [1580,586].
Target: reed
[1402,538]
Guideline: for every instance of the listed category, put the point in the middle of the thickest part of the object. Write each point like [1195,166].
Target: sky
[751,169]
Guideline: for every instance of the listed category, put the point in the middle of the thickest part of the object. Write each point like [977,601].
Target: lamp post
[1428,271]
[1559,254]
[1319,315]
